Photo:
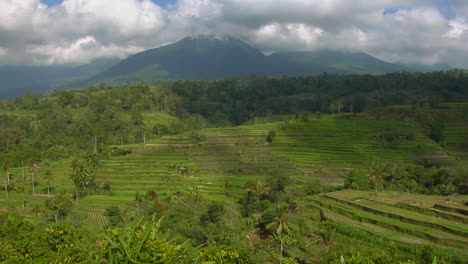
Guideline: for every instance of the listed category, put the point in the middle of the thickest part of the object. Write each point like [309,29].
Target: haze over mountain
[207,57]
[202,57]
[20,80]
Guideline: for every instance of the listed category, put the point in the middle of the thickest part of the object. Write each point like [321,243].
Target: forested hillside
[316,169]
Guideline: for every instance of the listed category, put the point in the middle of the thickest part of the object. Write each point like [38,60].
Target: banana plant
[142,242]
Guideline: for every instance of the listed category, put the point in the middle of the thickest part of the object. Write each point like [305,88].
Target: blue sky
[446,7]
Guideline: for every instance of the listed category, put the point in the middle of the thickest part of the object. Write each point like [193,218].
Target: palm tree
[143,134]
[22,168]
[332,108]
[138,200]
[318,115]
[7,171]
[19,188]
[80,174]
[6,168]
[377,175]
[258,189]
[323,172]
[339,105]
[33,169]
[281,228]
[6,190]
[48,176]
[226,186]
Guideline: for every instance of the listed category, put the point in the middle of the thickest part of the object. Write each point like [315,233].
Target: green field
[382,215]
[222,160]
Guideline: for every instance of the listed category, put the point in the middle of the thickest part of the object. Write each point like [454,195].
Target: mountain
[190,58]
[303,63]
[20,80]
[201,57]
[210,58]
[429,68]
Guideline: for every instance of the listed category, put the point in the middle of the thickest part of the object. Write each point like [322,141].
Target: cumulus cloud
[77,31]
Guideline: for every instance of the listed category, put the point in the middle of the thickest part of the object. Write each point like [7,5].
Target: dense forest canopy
[77,120]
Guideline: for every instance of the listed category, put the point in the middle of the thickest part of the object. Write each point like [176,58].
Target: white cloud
[459,26]
[81,51]
[277,36]
[3,51]
[79,30]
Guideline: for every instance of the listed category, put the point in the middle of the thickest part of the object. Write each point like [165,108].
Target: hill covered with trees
[315,169]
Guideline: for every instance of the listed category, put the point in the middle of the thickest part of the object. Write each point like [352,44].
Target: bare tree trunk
[281,252]
[94,141]
[33,184]
[6,190]
[321,185]
[22,168]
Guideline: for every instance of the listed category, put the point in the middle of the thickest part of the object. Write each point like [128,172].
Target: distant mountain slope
[429,68]
[303,63]
[201,57]
[210,58]
[191,58]
[20,80]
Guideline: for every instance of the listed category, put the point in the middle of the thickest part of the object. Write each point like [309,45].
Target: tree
[140,242]
[61,204]
[270,137]
[339,105]
[258,189]
[6,190]
[318,115]
[138,200]
[332,108]
[48,176]
[80,174]
[226,187]
[281,228]
[377,175]
[213,213]
[278,182]
[19,188]
[6,168]
[143,134]
[33,169]
[323,172]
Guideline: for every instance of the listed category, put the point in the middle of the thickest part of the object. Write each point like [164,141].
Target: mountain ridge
[20,80]
[212,58]
[200,57]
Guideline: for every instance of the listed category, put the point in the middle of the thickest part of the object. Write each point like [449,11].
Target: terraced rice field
[385,214]
[217,162]
[456,134]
